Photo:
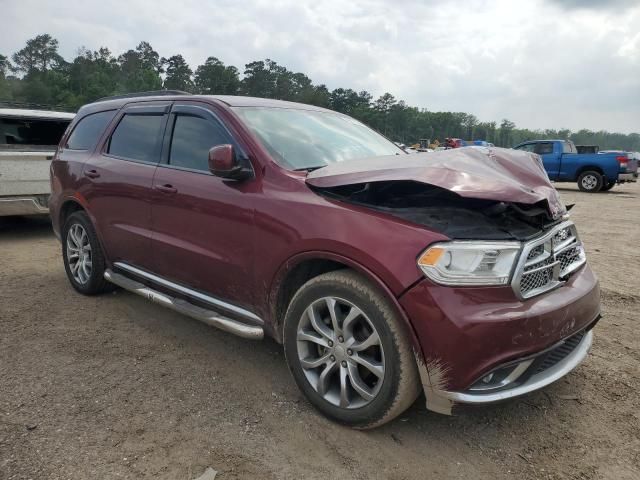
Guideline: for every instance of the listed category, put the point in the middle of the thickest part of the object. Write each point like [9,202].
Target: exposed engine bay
[447,212]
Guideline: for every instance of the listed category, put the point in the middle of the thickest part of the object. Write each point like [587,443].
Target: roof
[240,101]
[44,114]
[229,100]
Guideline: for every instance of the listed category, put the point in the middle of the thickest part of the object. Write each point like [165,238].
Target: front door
[121,176]
[203,225]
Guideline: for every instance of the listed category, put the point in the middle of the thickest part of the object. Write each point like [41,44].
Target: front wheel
[590,181]
[348,351]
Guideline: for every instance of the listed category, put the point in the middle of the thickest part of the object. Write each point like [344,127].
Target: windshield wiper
[308,169]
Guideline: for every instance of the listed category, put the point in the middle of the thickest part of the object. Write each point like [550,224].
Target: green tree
[40,54]
[140,69]
[178,74]
[213,77]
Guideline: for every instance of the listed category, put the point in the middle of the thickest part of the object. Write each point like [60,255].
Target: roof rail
[153,93]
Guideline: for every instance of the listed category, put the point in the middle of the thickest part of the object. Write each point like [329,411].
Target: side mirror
[224,163]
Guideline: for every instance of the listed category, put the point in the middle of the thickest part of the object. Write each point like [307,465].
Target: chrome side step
[182,306]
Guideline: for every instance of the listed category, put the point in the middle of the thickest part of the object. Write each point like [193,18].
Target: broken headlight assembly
[469,263]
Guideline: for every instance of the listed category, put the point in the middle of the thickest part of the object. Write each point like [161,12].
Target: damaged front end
[489,329]
[470,193]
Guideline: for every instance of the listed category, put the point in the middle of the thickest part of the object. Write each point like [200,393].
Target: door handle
[166,188]
[91,173]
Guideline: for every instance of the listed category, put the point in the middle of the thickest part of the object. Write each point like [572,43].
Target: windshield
[304,139]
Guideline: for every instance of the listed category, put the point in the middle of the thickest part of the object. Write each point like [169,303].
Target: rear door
[119,182]
[203,225]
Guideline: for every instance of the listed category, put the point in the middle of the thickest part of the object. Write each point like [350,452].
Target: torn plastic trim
[433,376]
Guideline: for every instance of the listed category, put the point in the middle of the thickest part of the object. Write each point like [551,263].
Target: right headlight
[470,263]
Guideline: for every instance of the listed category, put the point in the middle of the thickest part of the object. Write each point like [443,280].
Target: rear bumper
[628,177]
[467,333]
[24,205]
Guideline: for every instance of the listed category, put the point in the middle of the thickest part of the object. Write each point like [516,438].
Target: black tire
[400,382]
[95,282]
[590,181]
[608,186]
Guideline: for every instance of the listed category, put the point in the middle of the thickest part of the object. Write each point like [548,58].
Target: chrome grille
[547,262]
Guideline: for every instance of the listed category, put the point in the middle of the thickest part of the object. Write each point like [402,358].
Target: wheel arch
[587,168]
[300,268]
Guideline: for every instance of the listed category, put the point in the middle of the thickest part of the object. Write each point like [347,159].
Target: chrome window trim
[192,293]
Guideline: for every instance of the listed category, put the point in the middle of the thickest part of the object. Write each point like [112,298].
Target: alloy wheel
[79,254]
[340,352]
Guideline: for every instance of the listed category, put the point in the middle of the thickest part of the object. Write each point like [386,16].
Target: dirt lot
[116,387]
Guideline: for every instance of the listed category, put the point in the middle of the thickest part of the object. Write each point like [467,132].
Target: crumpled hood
[491,173]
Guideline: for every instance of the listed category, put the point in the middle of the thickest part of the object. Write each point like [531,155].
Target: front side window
[137,137]
[192,138]
[86,133]
[305,139]
[529,147]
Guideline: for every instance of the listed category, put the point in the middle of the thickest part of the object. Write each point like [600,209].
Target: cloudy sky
[539,63]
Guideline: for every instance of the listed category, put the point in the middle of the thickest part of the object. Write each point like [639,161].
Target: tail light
[622,161]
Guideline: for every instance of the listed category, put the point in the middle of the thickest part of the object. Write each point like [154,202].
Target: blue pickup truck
[594,172]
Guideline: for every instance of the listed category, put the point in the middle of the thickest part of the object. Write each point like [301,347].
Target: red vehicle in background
[382,274]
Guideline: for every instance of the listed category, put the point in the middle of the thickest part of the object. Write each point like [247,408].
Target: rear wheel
[348,351]
[608,186]
[590,181]
[84,260]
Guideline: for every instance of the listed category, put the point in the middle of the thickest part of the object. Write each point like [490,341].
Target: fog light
[488,378]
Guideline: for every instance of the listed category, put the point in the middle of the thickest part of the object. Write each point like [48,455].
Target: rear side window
[544,148]
[137,137]
[86,133]
[191,141]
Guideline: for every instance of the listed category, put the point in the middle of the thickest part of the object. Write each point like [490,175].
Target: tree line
[37,74]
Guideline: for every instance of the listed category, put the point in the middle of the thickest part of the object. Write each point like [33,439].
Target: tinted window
[86,133]
[192,139]
[544,148]
[136,137]
[529,147]
[25,131]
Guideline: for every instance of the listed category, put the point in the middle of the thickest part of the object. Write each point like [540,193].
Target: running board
[182,306]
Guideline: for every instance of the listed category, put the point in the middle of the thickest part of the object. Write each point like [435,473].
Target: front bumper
[30,205]
[627,177]
[467,333]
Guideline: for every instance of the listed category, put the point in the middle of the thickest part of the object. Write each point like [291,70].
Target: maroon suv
[457,273]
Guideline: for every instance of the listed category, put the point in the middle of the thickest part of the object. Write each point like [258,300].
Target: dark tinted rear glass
[137,137]
[544,148]
[192,139]
[86,133]
[24,131]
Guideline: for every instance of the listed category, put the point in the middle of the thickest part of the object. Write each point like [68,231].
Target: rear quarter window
[86,133]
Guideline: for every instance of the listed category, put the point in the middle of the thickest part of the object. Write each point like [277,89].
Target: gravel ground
[116,387]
